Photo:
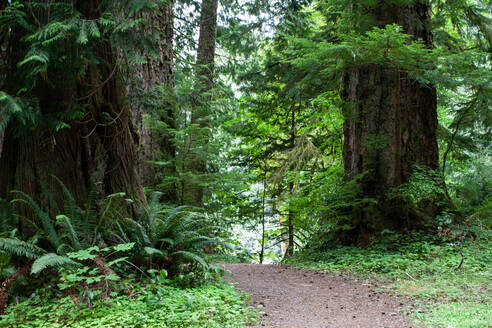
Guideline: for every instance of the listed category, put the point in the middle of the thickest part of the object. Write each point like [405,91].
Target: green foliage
[10,106]
[20,248]
[280,125]
[96,278]
[46,30]
[47,224]
[212,305]
[470,182]
[75,242]
[70,229]
[171,237]
[9,219]
[220,257]
[303,65]
[51,260]
[423,185]
[460,314]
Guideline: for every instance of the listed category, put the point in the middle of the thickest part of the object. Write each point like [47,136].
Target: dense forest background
[165,135]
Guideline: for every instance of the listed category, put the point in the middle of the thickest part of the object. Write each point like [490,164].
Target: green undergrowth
[423,267]
[227,258]
[210,305]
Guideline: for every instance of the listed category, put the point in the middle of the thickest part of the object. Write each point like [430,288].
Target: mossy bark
[96,153]
[390,126]
[150,89]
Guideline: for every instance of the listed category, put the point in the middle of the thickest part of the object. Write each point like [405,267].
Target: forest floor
[298,298]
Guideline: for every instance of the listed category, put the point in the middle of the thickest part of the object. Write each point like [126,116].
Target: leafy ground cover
[425,268]
[209,305]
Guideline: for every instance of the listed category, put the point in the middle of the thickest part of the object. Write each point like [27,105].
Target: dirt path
[294,298]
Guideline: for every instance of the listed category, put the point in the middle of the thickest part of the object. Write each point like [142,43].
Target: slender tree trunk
[290,220]
[150,88]
[290,225]
[262,251]
[96,152]
[201,108]
[390,126]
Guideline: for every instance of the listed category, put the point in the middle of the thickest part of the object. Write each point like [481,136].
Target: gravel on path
[297,298]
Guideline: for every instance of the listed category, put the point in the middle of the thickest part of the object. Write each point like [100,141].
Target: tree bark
[390,126]
[95,152]
[263,197]
[201,108]
[1,141]
[150,88]
[3,45]
[290,219]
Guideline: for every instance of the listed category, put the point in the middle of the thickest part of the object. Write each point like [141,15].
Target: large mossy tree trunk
[390,126]
[200,115]
[4,38]
[151,91]
[1,142]
[96,153]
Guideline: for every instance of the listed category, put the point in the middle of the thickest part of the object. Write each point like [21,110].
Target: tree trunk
[290,220]
[95,152]
[206,45]
[150,88]
[390,126]
[1,141]
[3,45]
[263,196]
[201,108]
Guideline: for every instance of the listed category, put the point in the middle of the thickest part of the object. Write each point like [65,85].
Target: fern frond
[191,256]
[181,224]
[48,194]
[163,241]
[177,211]
[141,231]
[52,260]
[10,106]
[66,222]
[20,248]
[8,218]
[45,219]
[123,237]
[70,205]
[155,199]
[89,222]
[94,30]
[200,241]
[40,58]
[153,212]
[153,251]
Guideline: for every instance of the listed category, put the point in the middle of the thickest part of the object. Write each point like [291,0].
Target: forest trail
[296,298]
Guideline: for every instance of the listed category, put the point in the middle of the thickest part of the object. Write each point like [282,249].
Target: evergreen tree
[200,112]
[390,124]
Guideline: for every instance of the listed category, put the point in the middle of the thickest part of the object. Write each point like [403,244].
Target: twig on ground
[409,276]
[461,261]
